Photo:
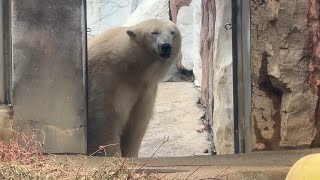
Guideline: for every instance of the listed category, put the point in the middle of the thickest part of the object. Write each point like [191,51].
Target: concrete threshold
[271,165]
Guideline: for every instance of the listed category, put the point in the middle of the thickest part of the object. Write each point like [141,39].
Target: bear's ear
[131,34]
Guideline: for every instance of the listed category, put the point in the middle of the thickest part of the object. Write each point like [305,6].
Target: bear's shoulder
[109,35]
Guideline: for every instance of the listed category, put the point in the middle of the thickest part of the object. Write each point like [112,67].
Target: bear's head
[159,37]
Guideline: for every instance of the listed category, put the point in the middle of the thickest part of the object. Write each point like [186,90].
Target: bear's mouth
[165,55]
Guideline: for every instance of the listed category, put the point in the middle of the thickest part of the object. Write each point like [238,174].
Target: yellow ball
[306,168]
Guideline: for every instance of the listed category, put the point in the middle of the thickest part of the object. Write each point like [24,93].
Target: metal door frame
[241,75]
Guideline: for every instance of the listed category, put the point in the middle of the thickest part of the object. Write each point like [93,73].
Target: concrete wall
[5,110]
[48,56]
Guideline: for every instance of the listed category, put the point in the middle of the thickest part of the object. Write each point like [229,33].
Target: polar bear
[125,65]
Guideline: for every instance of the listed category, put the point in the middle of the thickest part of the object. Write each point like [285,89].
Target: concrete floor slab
[252,166]
[176,117]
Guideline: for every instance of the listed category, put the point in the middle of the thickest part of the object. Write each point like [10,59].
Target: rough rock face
[185,25]
[149,9]
[175,5]
[103,15]
[314,63]
[206,40]
[222,118]
[135,4]
[188,21]
[197,25]
[208,9]
[284,109]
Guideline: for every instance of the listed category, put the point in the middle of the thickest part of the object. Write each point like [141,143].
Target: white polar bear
[125,65]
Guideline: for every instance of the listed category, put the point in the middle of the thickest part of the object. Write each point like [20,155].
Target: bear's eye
[172,32]
[155,33]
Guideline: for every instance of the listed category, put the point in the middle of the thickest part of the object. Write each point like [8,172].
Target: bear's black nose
[165,48]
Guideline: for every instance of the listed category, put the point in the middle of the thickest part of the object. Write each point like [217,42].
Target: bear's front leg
[103,132]
[139,119]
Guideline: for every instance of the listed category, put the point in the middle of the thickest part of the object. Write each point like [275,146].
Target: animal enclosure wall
[47,88]
[202,25]
[48,71]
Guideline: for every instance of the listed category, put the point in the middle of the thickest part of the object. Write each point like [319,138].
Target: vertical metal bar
[244,75]
[235,74]
[2,64]
[85,69]
[246,64]
[7,50]
[240,79]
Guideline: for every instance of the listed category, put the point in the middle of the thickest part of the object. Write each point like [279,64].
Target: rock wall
[185,24]
[208,9]
[197,25]
[175,6]
[285,74]
[314,63]
[135,4]
[222,81]
[106,14]
[215,62]
[206,52]
[149,9]
[187,15]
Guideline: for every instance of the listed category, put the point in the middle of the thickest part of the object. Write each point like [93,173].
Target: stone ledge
[5,122]
[257,165]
